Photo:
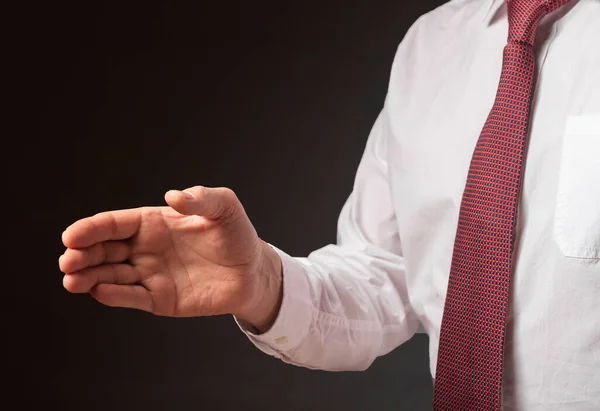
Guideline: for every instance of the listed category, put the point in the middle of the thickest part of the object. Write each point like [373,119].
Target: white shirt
[348,303]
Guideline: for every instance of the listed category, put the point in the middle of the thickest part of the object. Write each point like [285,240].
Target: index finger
[109,225]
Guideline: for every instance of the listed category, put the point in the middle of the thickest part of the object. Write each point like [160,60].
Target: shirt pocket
[577,213]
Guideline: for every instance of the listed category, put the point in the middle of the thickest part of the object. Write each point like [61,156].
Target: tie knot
[524,17]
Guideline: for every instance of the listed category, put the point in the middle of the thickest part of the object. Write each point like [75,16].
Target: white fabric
[348,303]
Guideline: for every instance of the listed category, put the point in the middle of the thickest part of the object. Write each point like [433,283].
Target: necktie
[471,347]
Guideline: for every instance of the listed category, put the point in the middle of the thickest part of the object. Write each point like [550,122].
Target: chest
[439,103]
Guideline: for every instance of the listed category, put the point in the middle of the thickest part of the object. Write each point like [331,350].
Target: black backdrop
[123,102]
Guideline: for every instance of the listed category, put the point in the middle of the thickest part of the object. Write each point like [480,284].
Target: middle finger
[107,252]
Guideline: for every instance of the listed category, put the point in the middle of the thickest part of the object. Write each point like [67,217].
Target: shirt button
[281,340]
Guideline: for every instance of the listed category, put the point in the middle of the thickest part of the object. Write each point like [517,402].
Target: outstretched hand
[200,256]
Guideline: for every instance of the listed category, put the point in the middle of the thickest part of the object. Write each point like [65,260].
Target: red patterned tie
[471,348]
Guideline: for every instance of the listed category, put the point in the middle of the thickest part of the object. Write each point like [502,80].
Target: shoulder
[446,27]
[436,45]
[452,15]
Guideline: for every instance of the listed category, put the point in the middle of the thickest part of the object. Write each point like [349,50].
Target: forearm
[346,304]
[331,316]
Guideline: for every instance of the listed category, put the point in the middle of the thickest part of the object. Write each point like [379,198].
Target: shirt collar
[491,7]
[489,10]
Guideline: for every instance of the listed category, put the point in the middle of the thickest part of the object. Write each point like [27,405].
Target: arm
[346,304]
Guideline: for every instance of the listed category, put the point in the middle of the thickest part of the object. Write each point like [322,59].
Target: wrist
[265,299]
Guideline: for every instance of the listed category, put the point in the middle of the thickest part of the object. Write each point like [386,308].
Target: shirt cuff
[295,314]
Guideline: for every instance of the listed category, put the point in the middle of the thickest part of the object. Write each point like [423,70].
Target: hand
[201,256]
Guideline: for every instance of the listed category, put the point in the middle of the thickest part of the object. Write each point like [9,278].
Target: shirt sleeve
[346,303]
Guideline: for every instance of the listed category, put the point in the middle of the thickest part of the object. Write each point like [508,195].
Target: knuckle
[229,195]
[230,203]
[199,190]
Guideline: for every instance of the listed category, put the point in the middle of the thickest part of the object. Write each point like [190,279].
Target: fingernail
[187,196]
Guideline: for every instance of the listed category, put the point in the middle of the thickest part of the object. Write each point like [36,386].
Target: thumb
[219,202]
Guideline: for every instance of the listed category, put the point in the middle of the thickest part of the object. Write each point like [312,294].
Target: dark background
[122,102]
